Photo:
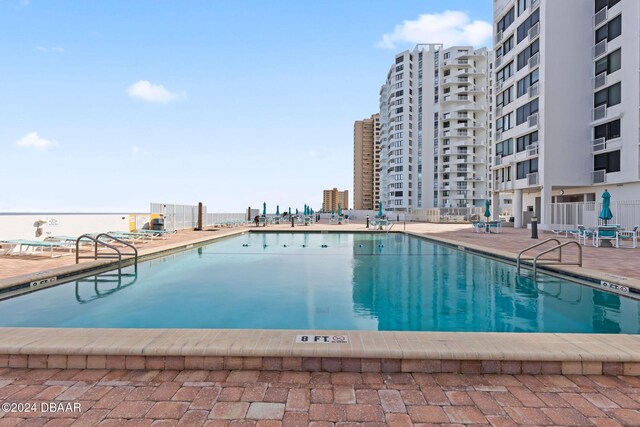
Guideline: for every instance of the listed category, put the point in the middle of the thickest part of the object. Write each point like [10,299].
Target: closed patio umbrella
[264,209]
[487,211]
[289,211]
[605,213]
[277,210]
[339,210]
[380,209]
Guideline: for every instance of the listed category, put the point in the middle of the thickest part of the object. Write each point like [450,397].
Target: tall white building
[566,103]
[433,116]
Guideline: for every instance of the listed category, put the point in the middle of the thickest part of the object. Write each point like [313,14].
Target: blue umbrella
[487,212]
[605,213]
[296,211]
[380,209]
[277,209]
[339,210]
[264,209]
[289,211]
[306,210]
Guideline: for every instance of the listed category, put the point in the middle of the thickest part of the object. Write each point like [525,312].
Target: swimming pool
[359,281]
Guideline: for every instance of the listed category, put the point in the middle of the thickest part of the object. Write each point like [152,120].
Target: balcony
[501,186]
[498,37]
[497,62]
[532,120]
[532,179]
[600,49]
[600,17]
[599,177]
[600,80]
[534,31]
[498,135]
[497,160]
[534,61]
[533,90]
[600,112]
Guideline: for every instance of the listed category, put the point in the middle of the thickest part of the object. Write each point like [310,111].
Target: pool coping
[366,351]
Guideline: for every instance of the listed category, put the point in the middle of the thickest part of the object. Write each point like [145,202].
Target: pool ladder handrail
[572,242]
[519,259]
[390,226]
[96,241]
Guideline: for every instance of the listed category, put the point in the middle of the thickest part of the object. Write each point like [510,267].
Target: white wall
[21,226]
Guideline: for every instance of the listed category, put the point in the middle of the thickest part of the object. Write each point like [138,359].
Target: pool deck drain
[366,351]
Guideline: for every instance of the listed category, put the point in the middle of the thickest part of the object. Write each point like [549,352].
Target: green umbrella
[339,210]
[277,209]
[380,209]
[605,213]
[305,211]
[289,211]
[296,211]
[487,212]
[264,209]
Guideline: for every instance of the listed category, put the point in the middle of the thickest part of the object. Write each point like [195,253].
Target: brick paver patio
[272,398]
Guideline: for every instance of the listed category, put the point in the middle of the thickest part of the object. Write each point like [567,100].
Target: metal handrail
[390,227]
[579,263]
[535,246]
[96,241]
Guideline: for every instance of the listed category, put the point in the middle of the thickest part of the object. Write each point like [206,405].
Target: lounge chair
[36,246]
[606,232]
[478,226]
[628,236]
[582,234]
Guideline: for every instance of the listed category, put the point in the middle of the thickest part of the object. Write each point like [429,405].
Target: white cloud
[150,92]
[450,28]
[50,49]
[33,140]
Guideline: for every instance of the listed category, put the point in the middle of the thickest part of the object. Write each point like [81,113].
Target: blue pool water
[359,281]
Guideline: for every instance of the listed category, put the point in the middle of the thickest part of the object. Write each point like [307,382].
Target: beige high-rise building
[366,163]
[332,198]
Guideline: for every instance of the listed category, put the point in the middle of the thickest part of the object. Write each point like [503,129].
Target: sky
[106,106]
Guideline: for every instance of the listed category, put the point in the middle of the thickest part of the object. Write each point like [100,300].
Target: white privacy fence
[447,214]
[567,216]
[182,217]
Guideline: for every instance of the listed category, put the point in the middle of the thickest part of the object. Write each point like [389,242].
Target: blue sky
[106,106]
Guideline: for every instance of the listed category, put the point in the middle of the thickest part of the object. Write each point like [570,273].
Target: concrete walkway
[271,398]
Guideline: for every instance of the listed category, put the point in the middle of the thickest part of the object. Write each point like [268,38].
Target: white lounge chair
[630,236]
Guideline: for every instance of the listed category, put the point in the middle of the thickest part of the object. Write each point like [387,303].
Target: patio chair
[628,236]
[496,225]
[582,234]
[478,226]
[606,232]
[36,246]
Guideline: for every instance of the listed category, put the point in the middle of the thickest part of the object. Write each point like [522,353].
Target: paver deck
[272,398]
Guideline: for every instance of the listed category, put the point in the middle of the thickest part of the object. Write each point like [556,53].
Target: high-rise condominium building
[567,97]
[366,163]
[433,121]
[332,198]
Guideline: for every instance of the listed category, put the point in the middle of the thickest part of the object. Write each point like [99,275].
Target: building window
[609,63]
[399,59]
[504,148]
[505,72]
[505,97]
[504,123]
[523,113]
[526,167]
[506,20]
[522,6]
[526,140]
[609,162]
[607,131]
[610,31]
[608,96]
[601,4]
[528,52]
[525,83]
[505,48]
[523,29]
